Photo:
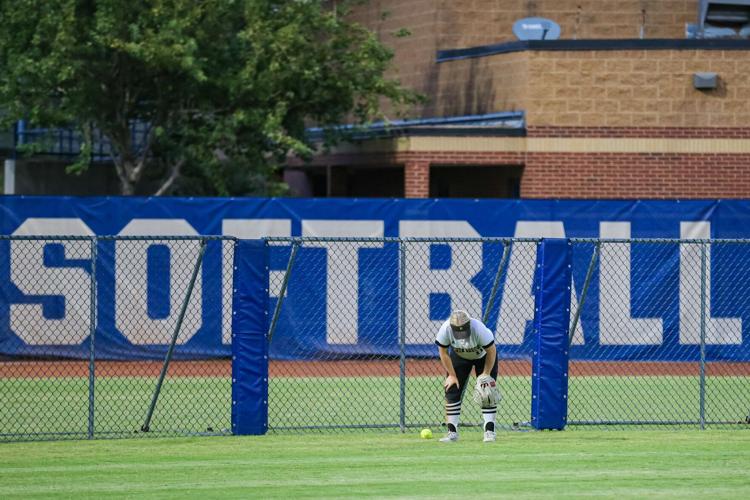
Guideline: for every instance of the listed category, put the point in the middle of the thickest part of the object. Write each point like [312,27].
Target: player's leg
[454,395]
[489,413]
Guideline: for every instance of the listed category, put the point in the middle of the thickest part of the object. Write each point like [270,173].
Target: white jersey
[470,348]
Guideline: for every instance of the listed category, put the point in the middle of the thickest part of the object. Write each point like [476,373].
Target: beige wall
[467,23]
[599,88]
[414,56]
[637,89]
[553,87]
[480,85]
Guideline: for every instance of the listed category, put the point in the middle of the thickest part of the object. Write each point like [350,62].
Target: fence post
[703,340]
[402,333]
[92,337]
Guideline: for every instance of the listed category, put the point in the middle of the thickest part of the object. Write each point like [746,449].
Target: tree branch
[174,173]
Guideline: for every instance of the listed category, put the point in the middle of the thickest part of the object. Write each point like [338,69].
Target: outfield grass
[622,464]
[58,408]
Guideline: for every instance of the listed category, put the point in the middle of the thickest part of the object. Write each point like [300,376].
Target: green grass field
[617,464]
[58,408]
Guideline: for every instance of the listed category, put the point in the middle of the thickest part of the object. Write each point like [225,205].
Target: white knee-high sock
[489,414]
[453,414]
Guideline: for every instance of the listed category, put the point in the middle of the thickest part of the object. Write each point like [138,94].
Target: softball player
[472,345]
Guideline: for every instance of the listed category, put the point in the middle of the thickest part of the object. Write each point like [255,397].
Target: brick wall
[641,132]
[601,175]
[646,175]
[575,100]
[417,179]
[556,174]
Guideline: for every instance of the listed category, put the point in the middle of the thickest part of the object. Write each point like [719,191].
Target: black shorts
[463,370]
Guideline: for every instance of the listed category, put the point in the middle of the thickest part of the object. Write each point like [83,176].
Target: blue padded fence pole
[549,384]
[250,308]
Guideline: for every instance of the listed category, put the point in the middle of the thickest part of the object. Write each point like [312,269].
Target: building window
[491,181]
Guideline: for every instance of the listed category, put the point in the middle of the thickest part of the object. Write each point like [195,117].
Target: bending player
[472,345]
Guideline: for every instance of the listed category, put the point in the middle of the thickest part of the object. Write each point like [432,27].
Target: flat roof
[504,123]
[593,45]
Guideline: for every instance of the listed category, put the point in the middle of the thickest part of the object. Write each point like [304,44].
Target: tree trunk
[125,174]
[130,166]
[126,188]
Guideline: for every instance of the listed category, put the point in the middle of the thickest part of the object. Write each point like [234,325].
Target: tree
[225,88]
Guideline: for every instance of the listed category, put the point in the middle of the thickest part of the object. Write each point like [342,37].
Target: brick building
[609,110]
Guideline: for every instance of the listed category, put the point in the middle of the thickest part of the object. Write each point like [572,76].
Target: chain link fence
[669,350]
[110,329]
[652,344]
[656,333]
[376,365]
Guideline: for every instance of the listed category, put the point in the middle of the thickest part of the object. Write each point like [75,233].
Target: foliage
[227,87]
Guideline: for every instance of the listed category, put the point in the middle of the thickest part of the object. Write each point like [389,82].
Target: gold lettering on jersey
[475,350]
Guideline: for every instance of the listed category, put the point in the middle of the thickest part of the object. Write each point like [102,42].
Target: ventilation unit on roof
[722,19]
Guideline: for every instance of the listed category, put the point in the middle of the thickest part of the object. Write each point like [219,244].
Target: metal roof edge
[592,45]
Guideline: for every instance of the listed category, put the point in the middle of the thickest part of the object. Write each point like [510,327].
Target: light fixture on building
[705,80]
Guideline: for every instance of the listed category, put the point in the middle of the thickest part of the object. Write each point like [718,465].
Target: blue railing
[69,141]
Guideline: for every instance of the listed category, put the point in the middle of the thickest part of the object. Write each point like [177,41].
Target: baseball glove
[486,392]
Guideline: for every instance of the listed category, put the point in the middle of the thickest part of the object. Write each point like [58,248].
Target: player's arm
[489,358]
[445,359]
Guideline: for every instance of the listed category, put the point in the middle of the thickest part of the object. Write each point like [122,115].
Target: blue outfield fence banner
[343,305]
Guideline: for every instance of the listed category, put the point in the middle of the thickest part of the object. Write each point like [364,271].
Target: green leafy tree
[224,88]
